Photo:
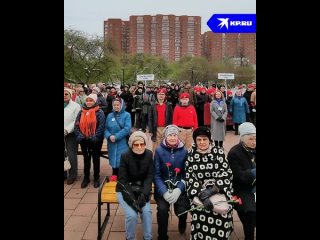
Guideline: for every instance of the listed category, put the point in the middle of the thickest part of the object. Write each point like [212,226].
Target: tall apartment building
[211,45]
[218,46]
[116,33]
[168,36]
[248,47]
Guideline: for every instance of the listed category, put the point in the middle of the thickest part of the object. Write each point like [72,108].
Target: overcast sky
[88,15]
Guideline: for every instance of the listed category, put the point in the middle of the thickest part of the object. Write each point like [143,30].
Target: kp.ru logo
[233,23]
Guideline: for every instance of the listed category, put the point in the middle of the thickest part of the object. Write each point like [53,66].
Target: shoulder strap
[117,120]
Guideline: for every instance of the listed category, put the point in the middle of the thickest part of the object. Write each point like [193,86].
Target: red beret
[162,90]
[184,95]
[229,92]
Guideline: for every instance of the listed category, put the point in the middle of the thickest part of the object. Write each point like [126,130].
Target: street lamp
[122,76]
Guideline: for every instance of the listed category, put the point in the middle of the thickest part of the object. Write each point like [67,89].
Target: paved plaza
[81,217]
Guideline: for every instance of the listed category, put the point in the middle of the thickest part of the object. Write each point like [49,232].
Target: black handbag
[136,188]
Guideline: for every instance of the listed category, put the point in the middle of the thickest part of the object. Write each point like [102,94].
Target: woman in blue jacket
[239,109]
[118,127]
[170,187]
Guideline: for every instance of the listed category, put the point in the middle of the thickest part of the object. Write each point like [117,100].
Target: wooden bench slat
[108,193]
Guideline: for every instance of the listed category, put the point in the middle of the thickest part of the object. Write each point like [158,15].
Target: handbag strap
[117,120]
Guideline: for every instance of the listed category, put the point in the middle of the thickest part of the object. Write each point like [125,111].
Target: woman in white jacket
[71,110]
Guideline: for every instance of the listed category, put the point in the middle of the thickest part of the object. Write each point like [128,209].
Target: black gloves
[135,206]
[141,200]
[220,119]
[208,204]
[206,193]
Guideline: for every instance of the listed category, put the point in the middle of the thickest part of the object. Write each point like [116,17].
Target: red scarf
[88,121]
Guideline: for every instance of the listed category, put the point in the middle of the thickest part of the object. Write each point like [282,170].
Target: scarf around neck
[208,150]
[88,121]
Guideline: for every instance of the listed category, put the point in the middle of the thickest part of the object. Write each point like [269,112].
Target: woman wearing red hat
[185,117]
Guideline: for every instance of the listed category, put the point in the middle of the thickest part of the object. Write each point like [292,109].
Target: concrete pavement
[80,209]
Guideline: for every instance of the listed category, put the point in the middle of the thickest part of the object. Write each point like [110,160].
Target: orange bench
[107,194]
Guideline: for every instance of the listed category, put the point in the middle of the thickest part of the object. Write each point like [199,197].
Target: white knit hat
[135,136]
[68,90]
[93,96]
[247,128]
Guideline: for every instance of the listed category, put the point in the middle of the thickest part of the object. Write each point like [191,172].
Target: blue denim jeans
[131,219]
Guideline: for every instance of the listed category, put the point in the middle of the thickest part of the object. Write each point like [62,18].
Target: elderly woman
[118,127]
[239,109]
[219,111]
[134,185]
[170,189]
[208,173]
[242,159]
[71,110]
[89,128]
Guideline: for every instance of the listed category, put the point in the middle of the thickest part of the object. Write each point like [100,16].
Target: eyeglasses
[139,144]
[66,94]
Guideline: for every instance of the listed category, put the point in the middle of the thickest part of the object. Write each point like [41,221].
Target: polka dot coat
[200,168]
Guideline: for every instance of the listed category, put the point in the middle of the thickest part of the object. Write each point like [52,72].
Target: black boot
[236,126]
[85,182]
[96,183]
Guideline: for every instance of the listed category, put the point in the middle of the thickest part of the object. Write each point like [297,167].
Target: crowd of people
[186,162]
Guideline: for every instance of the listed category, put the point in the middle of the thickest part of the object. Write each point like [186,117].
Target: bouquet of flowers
[171,185]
